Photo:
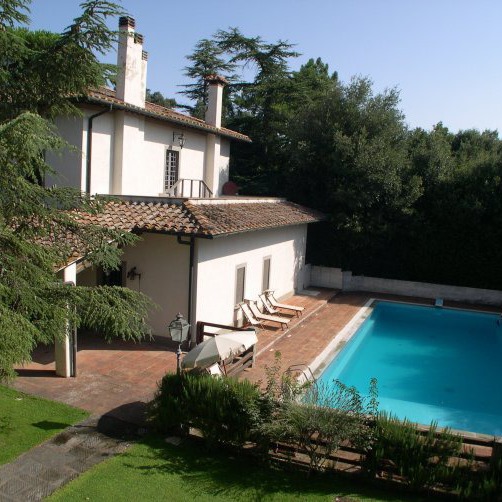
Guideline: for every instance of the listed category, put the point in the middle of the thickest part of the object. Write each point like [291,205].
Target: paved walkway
[38,472]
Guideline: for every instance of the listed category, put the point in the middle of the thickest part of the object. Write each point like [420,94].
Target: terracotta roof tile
[150,216]
[223,218]
[206,218]
[105,96]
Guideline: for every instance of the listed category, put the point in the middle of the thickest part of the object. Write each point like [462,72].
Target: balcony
[190,188]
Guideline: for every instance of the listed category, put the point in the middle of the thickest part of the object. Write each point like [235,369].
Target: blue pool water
[430,364]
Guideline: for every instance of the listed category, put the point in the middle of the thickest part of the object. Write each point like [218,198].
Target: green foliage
[325,417]
[423,460]
[167,410]
[159,99]
[207,59]
[223,409]
[40,73]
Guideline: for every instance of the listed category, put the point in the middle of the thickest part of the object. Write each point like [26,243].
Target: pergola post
[62,346]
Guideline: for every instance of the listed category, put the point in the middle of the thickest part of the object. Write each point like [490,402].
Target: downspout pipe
[190,243]
[88,163]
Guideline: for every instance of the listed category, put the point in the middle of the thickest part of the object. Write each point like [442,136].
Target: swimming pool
[430,364]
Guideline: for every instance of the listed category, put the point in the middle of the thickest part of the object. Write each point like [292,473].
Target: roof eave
[157,116]
[247,230]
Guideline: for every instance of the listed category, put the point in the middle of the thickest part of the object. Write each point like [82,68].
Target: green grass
[26,421]
[152,470]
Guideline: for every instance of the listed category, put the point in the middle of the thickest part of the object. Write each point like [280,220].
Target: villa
[203,248]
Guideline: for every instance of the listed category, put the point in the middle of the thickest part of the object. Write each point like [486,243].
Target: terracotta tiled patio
[115,378]
[118,379]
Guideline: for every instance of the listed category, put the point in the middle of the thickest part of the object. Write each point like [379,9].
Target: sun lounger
[294,308]
[258,316]
[270,309]
[249,315]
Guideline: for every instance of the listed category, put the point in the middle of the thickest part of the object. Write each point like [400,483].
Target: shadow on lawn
[224,474]
[47,425]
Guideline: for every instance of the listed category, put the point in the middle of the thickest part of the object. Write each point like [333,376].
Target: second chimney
[215,99]
[131,62]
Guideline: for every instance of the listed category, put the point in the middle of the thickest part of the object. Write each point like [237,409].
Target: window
[240,281]
[172,168]
[265,282]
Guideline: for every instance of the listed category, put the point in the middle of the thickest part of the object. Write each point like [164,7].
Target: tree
[257,72]
[348,158]
[158,98]
[40,76]
[207,59]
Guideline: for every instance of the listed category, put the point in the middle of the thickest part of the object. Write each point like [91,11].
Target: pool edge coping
[340,339]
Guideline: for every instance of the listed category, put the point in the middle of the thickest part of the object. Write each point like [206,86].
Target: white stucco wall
[103,137]
[68,163]
[217,261]
[129,155]
[224,163]
[163,265]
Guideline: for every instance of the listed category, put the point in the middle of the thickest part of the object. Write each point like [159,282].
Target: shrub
[421,459]
[168,411]
[322,420]
[223,409]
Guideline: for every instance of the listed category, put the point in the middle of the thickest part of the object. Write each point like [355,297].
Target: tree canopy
[40,74]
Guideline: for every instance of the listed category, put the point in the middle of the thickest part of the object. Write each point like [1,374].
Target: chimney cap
[127,21]
[215,79]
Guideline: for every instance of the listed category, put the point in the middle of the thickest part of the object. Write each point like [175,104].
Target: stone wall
[335,278]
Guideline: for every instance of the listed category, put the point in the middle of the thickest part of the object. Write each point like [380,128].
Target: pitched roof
[232,216]
[105,96]
[200,217]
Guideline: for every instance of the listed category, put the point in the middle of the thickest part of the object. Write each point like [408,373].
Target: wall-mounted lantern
[181,138]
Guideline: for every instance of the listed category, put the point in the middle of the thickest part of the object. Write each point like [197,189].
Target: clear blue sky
[443,55]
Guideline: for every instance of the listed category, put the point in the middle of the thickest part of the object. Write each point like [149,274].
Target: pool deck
[119,378]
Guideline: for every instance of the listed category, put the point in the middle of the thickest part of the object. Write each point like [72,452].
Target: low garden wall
[328,277]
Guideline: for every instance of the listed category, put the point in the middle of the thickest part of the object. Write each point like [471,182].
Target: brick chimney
[132,63]
[215,99]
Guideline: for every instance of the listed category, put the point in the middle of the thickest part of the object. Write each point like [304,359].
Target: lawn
[153,470]
[26,421]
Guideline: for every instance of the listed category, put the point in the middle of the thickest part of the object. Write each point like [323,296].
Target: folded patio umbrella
[219,347]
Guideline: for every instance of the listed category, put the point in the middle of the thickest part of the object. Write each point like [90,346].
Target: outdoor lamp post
[178,329]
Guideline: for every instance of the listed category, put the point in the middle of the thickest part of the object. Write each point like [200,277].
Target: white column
[62,347]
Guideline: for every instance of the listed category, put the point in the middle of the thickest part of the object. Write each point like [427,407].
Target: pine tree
[41,75]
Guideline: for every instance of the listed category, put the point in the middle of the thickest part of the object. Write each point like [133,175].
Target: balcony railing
[186,187]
